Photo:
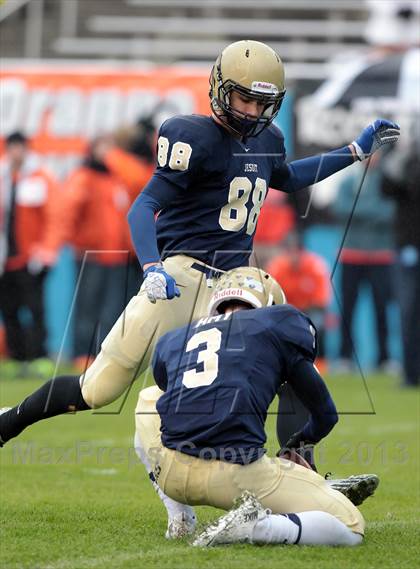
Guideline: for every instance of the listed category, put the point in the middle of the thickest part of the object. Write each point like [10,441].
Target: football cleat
[356,488]
[3,410]
[181,525]
[236,526]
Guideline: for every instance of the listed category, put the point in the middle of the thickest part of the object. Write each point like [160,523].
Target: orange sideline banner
[60,106]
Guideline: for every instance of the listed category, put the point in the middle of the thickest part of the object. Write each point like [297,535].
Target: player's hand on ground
[299,451]
[295,457]
[159,285]
[374,136]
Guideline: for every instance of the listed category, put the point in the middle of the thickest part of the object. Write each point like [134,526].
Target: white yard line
[110,560]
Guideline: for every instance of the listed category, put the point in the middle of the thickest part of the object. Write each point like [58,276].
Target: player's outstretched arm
[141,218]
[179,158]
[308,171]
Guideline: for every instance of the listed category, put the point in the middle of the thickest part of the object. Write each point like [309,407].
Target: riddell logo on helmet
[230,292]
[263,87]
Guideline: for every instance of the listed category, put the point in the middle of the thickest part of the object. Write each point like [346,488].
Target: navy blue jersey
[220,375]
[221,185]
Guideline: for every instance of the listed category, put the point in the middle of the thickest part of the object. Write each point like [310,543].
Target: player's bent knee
[105,380]
[356,521]
[148,398]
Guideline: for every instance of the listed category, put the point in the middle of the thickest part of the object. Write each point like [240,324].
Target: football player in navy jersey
[216,380]
[208,188]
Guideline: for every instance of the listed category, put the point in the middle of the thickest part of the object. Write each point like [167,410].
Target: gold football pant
[280,485]
[126,351]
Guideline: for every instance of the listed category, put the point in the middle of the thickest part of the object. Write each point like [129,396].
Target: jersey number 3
[208,356]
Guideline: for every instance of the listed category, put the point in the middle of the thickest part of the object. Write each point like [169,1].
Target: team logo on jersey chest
[251,167]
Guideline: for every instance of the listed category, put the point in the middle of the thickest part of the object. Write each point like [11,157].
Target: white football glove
[159,285]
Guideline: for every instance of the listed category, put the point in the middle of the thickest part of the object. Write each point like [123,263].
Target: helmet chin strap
[223,120]
[237,126]
[244,125]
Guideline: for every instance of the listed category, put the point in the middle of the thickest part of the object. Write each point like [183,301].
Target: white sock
[276,528]
[321,528]
[172,506]
[306,528]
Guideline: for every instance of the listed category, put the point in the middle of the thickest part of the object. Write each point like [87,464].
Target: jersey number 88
[180,154]
[234,215]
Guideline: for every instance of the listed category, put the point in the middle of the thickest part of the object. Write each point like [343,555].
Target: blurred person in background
[393,24]
[29,241]
[402,183]
[366,258]
[139,139]
[277,219]
[98,196]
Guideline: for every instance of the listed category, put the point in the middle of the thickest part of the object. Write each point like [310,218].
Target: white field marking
[101,442]
[109,442]
[104,561]
[395,428]
[101,471]
[386,523]
[382,429]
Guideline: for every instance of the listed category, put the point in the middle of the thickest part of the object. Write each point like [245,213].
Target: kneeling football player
[202,429]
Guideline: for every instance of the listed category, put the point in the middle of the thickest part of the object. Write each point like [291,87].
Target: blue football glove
[375,135]
[159,285]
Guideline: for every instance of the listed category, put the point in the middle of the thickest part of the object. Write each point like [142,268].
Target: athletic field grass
[74,496]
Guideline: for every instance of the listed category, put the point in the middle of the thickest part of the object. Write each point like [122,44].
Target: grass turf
[74,496]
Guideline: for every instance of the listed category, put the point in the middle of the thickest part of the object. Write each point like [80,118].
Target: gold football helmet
[255,71]
[248,285]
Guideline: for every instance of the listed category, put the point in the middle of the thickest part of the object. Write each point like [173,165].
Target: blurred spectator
[29,242]
[304,277]
[402,183]
[276,220]
[366,258]
[98,197]
[139,139]
[393,23]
